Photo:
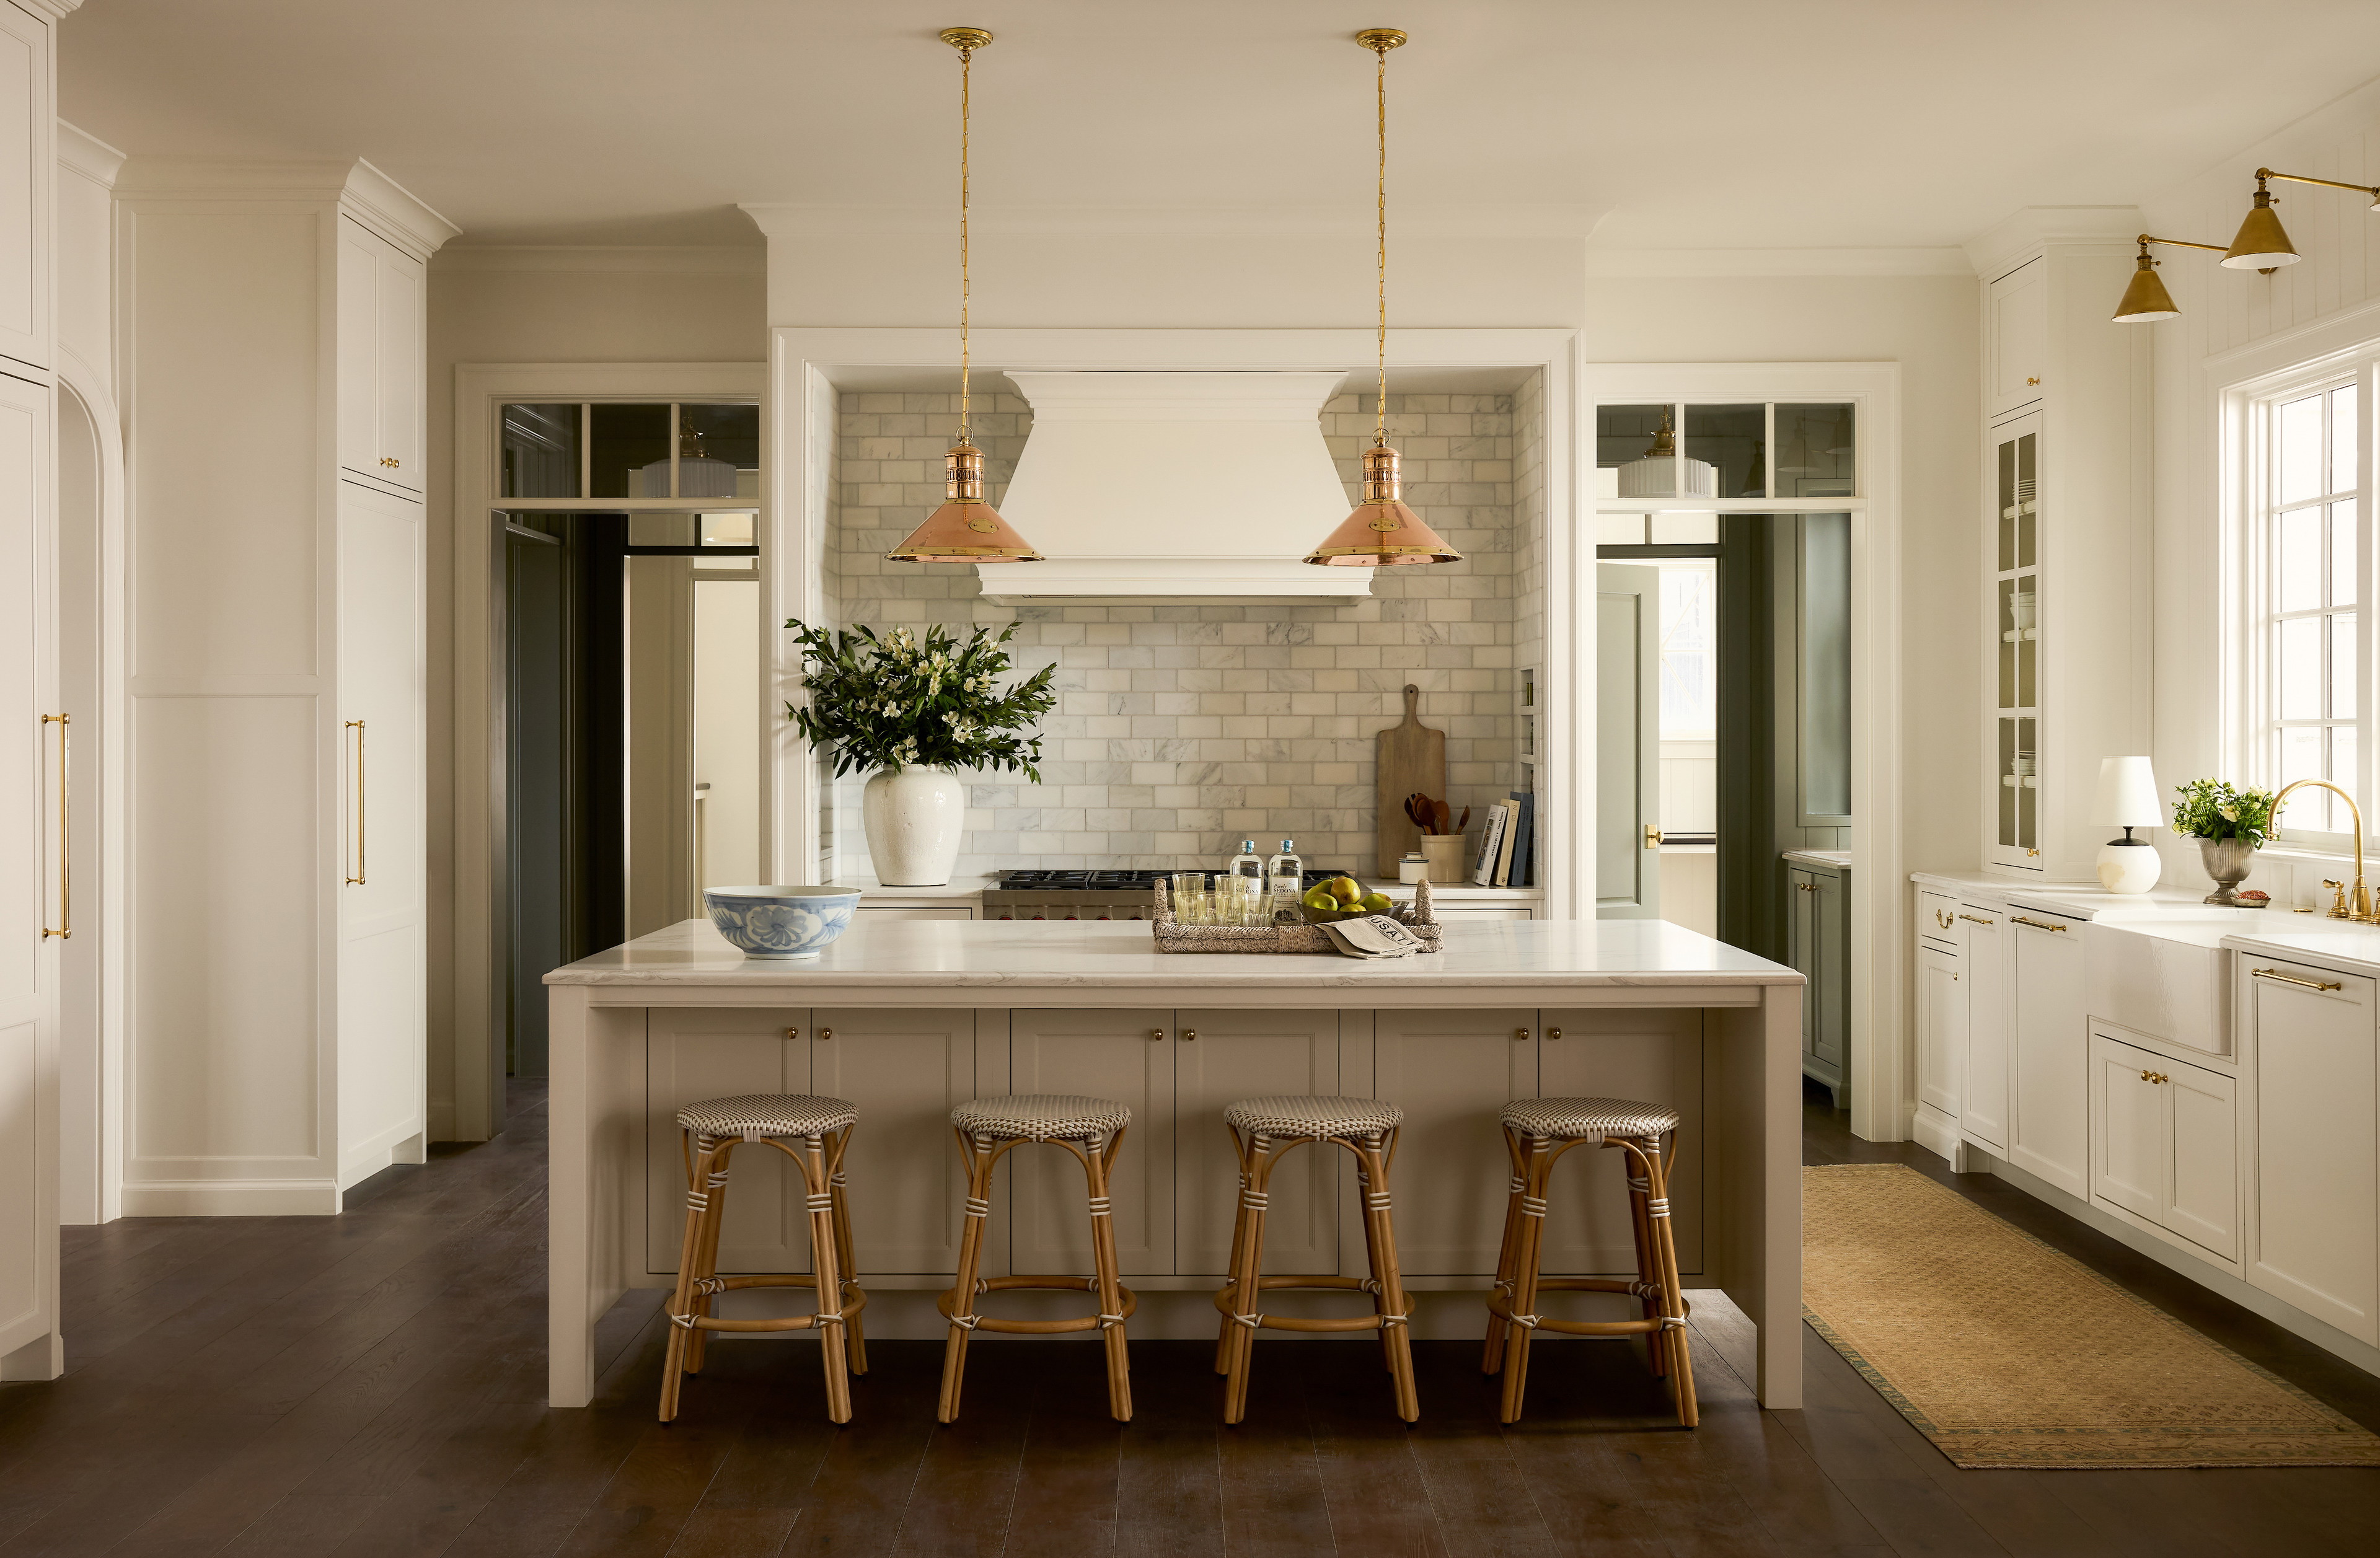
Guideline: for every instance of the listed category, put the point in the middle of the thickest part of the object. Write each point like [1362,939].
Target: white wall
[545,305]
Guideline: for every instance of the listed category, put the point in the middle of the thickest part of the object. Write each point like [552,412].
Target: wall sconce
[2262,246]
[2146,300]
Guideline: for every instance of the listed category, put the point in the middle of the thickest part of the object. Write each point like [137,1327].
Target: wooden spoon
[1445,817]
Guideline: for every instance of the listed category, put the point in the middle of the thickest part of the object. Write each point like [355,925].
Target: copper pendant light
[1382,532]
[964,528]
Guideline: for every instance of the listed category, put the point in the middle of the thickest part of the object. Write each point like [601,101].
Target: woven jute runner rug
[2007,1353]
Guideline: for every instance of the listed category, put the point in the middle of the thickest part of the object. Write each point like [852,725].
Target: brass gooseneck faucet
[2361,908]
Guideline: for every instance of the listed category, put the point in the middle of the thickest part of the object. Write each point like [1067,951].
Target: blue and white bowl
[781,922]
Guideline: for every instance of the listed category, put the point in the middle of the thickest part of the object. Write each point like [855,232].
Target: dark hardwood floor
[372,1385]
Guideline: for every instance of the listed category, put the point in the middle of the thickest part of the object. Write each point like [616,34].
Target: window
[2309,645]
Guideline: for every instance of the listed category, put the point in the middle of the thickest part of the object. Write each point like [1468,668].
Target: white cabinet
[28,176]
[381,367]
[1984,1100]
[1818,924]
[1941,1042]
[2049,1122]
[2307,1041]
[1453,1072]
[276,717]
[2165,1145]
[2016,338]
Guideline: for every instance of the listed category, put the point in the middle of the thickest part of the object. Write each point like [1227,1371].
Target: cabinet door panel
[1453,1073]
[1800,947]
[2129,1147]
[692,1056]
[25,185]
[1656,1057]
[1248,1054]
[2202,1200]
[1942,1030]
[29,876]
[359,352]
[904,1070]
[398,309]
[1105,1054]
[1984,1115]
[2049,1109]
[1830,989]
[2315,1212]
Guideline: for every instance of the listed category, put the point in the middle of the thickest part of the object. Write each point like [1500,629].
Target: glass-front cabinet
[2015,653]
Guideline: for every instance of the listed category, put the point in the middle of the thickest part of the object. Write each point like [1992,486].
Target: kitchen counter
[908,1018]
[968,887]
[1832,860]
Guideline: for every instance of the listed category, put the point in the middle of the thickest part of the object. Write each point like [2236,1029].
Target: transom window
[2310,639]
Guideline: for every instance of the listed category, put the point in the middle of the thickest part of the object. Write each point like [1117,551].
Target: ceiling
[1829,123]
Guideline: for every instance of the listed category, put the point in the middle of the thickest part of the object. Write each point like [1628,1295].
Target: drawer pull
[2155,1077]
[1978,919]
[2036,924]
[2292,979]
[1945,919]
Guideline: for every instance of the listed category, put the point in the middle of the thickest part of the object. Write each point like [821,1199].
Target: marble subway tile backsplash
[1182,729]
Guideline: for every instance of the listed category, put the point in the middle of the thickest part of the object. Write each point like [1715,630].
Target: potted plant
[919,712]
[2230,826]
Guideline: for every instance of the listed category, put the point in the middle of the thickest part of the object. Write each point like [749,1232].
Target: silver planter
[2228,861]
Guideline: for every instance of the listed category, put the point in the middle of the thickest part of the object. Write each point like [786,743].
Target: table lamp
[2128,799]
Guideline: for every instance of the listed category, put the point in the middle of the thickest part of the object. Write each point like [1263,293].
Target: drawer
[1938,920]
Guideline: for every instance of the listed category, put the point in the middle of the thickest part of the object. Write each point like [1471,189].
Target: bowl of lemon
[1342,897]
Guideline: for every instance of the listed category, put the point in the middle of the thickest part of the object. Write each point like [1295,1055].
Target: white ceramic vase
[915,818]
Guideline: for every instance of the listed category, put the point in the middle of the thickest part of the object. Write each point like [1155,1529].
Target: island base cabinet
[708,1053]
[906,1070]
[1653,1057]
[2165,1137]
[2307,1041]
[1220,1057]
[1125,1055]
[1453,1072]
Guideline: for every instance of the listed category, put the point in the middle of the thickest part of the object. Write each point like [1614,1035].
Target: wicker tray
[1173,937]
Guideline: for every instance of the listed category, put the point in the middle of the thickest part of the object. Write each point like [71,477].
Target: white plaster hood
[1173,487]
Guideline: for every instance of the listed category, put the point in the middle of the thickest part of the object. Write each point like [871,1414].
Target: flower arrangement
[2211,809]
[894,700]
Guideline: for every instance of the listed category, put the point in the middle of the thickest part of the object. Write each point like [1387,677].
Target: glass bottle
[1247,862]
[1287,874]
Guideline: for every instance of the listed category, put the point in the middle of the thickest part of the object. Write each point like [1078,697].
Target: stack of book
[1508,843]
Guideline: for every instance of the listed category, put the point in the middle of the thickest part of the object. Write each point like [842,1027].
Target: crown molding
[794,219]
[1689,263]
[678,260]
[83,153]
[372,196]
[402,216]
[56,10]
[2039,227]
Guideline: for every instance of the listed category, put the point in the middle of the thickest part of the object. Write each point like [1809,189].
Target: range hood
[1175,487]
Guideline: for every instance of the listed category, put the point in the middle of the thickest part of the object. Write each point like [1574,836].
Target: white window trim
[2247,406]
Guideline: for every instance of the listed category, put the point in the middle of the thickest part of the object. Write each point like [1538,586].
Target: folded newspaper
[1374,935]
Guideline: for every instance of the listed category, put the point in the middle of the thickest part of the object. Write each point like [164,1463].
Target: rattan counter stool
[1537,1131]
[1091,1128]
[1263,1129]
[813,1132]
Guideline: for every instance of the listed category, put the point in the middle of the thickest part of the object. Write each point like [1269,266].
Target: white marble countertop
[2271,932]
[942,955]
[1839,859]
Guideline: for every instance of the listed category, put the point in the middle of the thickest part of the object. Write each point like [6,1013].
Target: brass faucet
[2361,908]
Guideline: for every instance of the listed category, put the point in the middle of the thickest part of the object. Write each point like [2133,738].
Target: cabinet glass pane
[1816,451]
[538,451]
[2006,507]
[2027,634]
[626,440]
[1734,439]
[2342,439]
[2007,786]
[2026,504]
[2301,452]
[2007,619]
[2027,798]
[2343,559]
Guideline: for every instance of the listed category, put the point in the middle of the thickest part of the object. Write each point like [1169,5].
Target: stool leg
[1224,1328]
[1673,1307]
[846,1264]
[697,1343]
[1095,1163]
[978,1158]
[1247,1266]
[1372,1265]
[1491,1356]
[1648,1266]
[826,1273]
[1380,1228]
[697,1206]
[1538,1169]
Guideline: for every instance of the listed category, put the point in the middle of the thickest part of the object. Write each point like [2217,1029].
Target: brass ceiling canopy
[1381,532]
[965,528]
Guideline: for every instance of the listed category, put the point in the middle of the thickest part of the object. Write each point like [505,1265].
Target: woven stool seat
[1042,1117]
[1589,1119]
[766,1114]
[1303,1116]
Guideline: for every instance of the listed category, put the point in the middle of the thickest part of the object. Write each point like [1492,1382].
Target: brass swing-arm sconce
[2146,300]
[2263,246]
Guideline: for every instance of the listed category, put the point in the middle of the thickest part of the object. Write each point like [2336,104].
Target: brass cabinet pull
[1805,887]
[826,1035]
[2032,380]
[1189,1035]
[65,930]
[793,1033]
[2292,979]
[391,462]
[2036,924]
[1520,1036]
[1157,1036]
[1553,1035]
[2155,1077]
[1978,920]
[1945,919]
[357,727]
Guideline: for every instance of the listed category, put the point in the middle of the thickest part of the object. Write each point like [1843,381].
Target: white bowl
[781,922]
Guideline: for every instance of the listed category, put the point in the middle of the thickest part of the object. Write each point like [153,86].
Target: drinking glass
[1190,898]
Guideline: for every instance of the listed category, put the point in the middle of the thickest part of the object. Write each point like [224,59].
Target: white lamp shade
[2128,795]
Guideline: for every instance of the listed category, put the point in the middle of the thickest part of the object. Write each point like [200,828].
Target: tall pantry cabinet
[273,326]
[31,749]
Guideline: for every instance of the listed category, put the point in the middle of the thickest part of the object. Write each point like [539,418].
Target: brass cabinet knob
[1520,1036]
[793,1033]
[1189,1035]
[2031,381]
[1157,1036]
[826,1035]
[1553,1035]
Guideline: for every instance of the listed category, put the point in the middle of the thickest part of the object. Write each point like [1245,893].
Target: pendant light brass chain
[1380,424]
[967,72]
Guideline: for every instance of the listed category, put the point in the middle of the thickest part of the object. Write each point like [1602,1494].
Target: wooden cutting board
[1410,756]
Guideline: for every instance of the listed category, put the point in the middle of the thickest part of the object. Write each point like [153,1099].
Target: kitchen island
[906,1018]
